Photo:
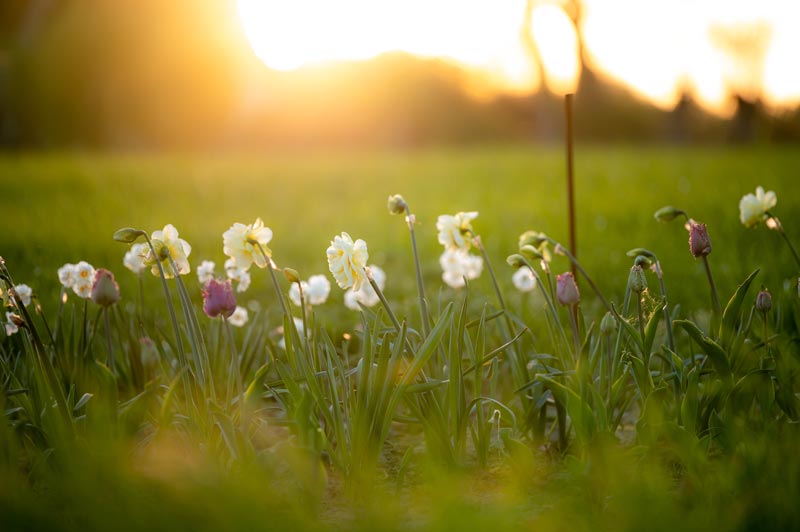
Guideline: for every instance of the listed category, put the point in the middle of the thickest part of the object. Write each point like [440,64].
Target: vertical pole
[570,183]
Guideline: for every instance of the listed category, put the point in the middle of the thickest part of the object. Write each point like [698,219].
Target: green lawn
[459,429]
[64,208]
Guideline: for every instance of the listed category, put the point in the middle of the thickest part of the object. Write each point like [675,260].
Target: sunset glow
[679,45]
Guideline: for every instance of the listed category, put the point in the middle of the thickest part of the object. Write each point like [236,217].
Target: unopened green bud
[397,205]
[637,281]
[532,238]
[291,275]
[642,261]
[516,260]
[668,213]
[608,325]
[128,235]
[641,251]
[530,252]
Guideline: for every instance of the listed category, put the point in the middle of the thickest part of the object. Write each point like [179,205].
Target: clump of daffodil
[754,208]
[168,246]
[366,295]
[458,265]
[347,260]
[134,258]
[242,277]
[453,230]
[315,290]
[247,244]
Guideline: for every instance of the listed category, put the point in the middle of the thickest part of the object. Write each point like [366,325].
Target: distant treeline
[150,74]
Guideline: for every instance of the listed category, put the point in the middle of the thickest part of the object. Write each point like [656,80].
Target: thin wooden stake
[573,248]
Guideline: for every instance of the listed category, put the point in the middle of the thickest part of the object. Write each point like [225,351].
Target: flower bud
[530,252]
[642,261]
[291,275]
[105,290]
[397,205]
[516,260]
[641,251]
[699,243]
[668,213]
[608,325]
[566,289]
[532,238]
[218,298]
[764,300]
[128,235]
[637,281]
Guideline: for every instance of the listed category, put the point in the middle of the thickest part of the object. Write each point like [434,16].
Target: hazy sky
[655,47]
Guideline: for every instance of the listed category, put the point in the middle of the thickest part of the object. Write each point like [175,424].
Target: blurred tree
[745,47]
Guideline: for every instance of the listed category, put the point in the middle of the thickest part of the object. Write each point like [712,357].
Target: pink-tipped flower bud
[105,290]
[566,289]
[218,298]
[764,300]
[699,243]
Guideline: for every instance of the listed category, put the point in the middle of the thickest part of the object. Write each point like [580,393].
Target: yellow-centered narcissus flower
[178,249]
[346,261]
[452,230]
[753,208]
[238,243]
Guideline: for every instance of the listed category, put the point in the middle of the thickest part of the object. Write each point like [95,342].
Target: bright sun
[476,33]
[672,47]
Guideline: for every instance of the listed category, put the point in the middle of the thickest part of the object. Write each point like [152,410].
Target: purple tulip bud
[566,289]
[764,301]
[218,298]
[699,243]
[105,290]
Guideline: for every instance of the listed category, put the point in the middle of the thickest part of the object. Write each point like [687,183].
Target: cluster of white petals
[315,290]
[523,280]
[134,258]
[366,295]
[11,327]
[178,249]
[205,272]
[453,230]
[239,317]
[346,261]
[458,265]
[25,293]
[79,277]
[239,243]
[753,208]
[240,276]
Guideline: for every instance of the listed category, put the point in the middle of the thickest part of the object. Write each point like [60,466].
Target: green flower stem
[779,227]
[174,319]
[198,332]
[235,365]
[111,362]
[423,302]
[640,315]
[715,306]
[389,311]
[185,305]
[274,278]
[41,358]
[548,300]
[667,317]
[573,323]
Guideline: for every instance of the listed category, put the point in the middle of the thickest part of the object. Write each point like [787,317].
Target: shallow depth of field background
[202,113]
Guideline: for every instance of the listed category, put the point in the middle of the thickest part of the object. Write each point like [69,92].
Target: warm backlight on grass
[657,48]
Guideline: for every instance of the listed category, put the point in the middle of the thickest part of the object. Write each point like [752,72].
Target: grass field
[710,442]
[64,208]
